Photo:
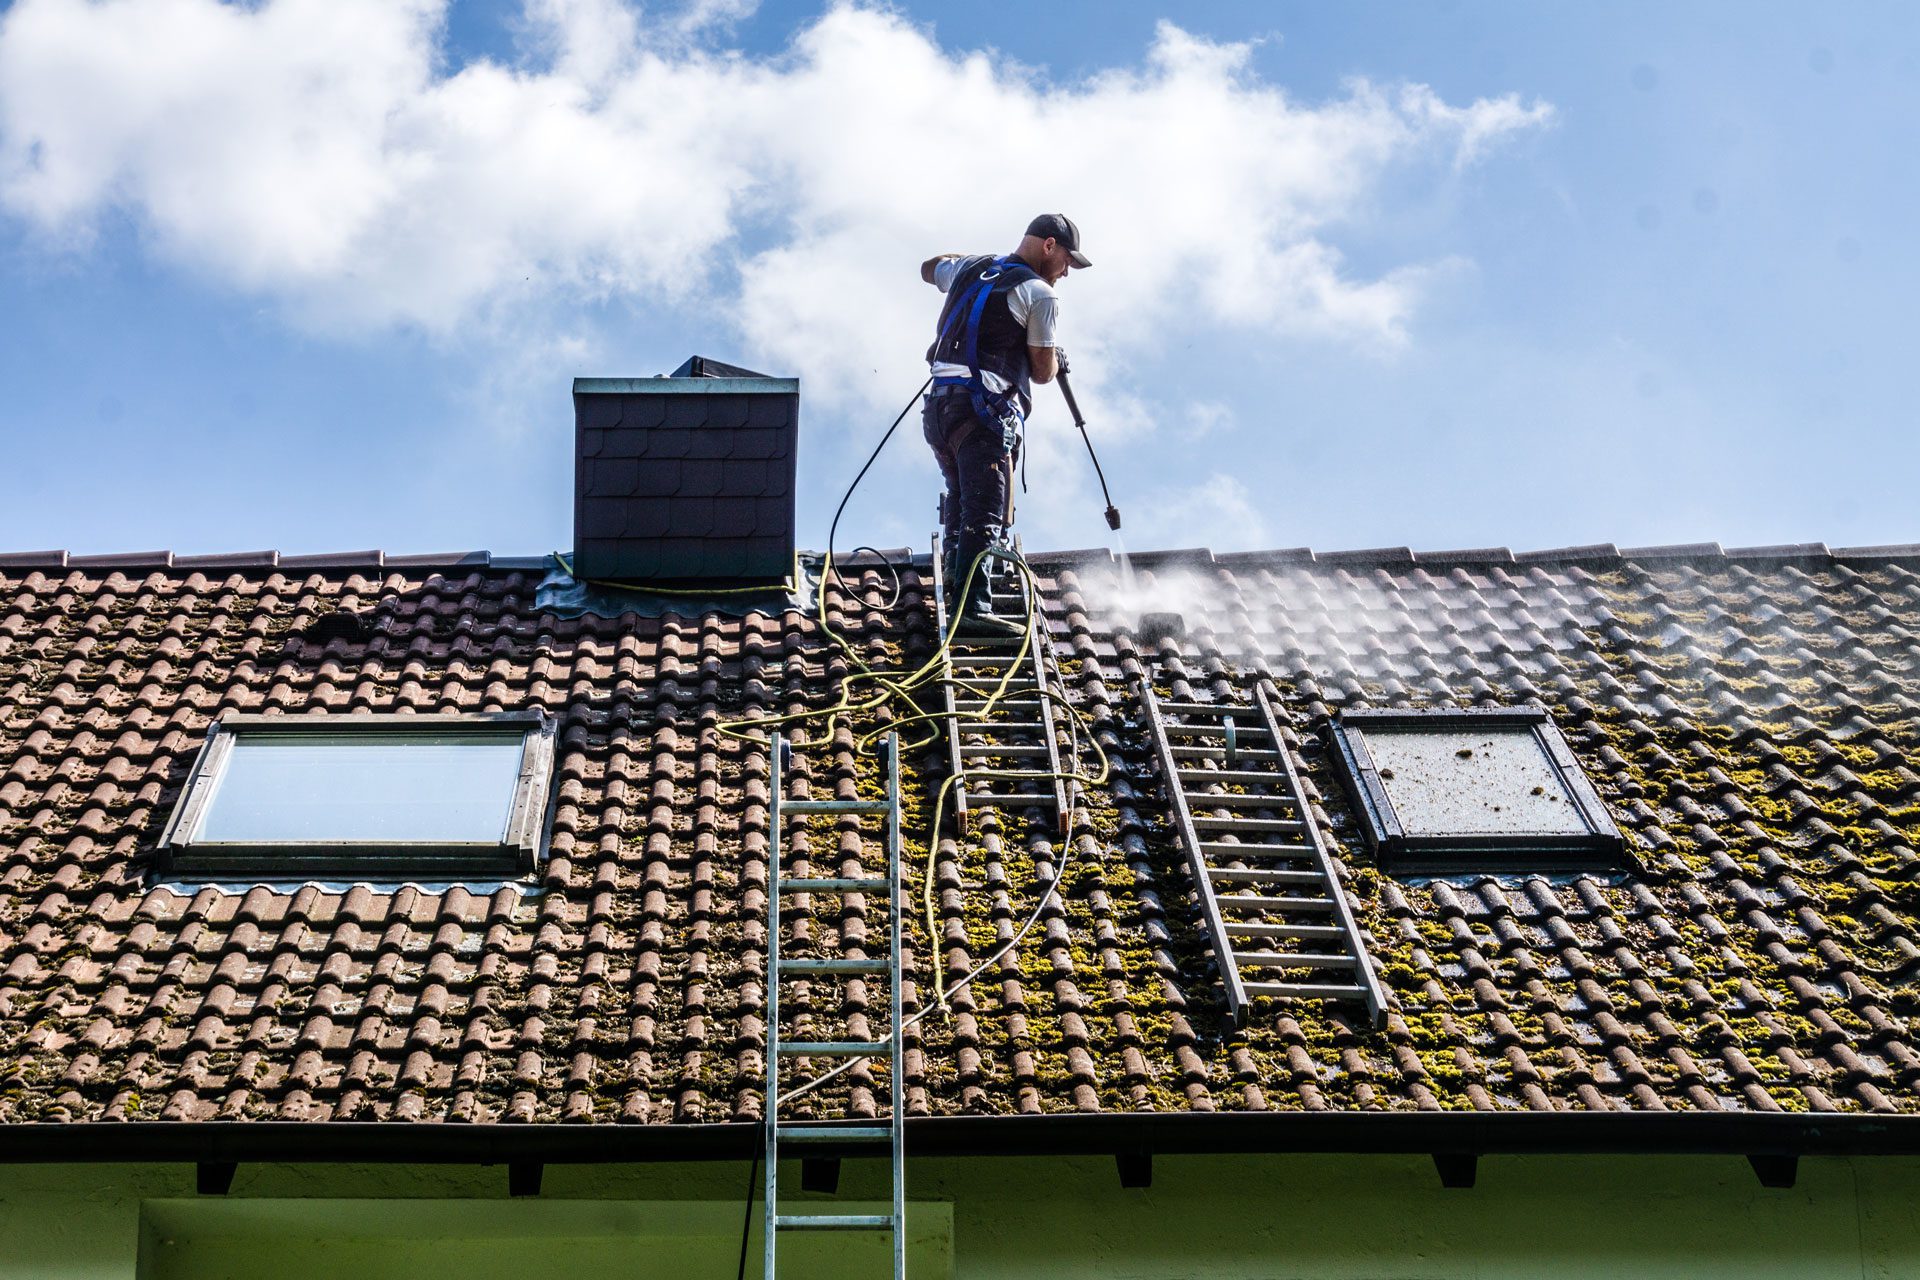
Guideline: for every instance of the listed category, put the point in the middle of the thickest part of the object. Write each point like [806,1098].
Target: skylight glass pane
[1472,781]
[365,788]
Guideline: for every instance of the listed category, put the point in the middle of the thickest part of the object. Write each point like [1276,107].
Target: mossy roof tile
[1751,718]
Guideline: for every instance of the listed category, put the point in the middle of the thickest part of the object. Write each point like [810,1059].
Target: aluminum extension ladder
[1018,741]
[889,1134]
[1269,896]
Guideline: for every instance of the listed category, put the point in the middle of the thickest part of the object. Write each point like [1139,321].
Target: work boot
[989,625]
[950,568]
[977,617]
[971,586]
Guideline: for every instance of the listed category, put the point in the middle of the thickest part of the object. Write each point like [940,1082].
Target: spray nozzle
[1113,518]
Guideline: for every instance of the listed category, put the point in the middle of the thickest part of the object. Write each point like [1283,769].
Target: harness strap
[986,404]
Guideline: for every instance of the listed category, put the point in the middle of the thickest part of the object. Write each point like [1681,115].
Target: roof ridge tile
[123,560]
[1784,551]
[1381,556]
[228,559]
[1177,555]
[32,559]
[1279,555]
[435,559]
[1884,551]
[1078,555]
[1585,552]
[1469,555]
[1675,551]
[336,560]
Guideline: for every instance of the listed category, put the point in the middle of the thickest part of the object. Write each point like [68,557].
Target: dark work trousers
[977,460]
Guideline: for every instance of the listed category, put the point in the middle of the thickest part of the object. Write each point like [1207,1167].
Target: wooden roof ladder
[1006,756]
[1270,898]
[888,1133]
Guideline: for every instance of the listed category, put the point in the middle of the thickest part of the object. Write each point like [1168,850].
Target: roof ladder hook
[1233,740]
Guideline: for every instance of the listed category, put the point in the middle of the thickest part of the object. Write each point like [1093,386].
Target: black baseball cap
[1061,228]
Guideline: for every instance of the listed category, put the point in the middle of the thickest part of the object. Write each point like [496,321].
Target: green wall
[1243,1218]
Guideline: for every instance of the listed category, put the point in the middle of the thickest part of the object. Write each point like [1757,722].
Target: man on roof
[997,336]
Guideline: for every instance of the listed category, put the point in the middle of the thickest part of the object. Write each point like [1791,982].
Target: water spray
[1073,407]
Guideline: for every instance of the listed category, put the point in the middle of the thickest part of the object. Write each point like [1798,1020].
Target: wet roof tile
[1751,718]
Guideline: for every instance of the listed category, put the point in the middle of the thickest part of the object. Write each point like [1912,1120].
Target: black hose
[746,1220]
[899,586]
[829,572]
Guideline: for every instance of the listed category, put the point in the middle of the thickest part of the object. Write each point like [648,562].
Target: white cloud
[1218,512]
[318,153]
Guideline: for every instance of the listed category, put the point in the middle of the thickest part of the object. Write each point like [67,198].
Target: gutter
[1772,1142]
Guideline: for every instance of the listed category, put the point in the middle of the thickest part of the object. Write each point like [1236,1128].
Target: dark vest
[1002,344]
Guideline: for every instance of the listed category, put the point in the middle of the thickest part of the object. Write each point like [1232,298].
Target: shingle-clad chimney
[685,480]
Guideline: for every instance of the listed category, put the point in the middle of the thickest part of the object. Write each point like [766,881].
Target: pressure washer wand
[1073,407]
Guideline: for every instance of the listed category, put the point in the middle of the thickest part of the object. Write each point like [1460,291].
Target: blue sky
[1635,273]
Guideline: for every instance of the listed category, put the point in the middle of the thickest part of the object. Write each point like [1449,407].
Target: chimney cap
[708,367]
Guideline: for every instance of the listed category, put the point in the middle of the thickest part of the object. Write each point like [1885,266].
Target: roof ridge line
[1368,557]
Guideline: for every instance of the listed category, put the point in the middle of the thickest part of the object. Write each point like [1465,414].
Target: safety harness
[1000,277]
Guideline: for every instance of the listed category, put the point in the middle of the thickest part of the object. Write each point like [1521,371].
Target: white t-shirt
[1032,302]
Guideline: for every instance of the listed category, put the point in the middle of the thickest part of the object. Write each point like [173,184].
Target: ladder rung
[833,1222]
[834,966]
[1240,849]
[1266,875]
[1261,929]
[1256,902]
[1201,730]
[1220,752]
[835,1048]
[832,1133]
[980,726]
[1322,990]
[1007,749]
[833,806]
[1212,823]
[1282,960]
[1239,799]
[1208,709]
[830,884]
[1008,798]
[1231,775]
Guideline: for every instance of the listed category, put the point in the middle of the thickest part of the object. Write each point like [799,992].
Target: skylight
[365,795]
[1471,788]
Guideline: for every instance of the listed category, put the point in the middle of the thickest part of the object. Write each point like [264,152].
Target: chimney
[685,480]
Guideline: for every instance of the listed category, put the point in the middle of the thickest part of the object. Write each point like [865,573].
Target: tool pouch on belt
[997,415]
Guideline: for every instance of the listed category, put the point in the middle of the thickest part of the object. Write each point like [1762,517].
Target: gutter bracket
[524,1177]
[1775,1170]
[1135,1168]
[1457,1169]
[214,1177]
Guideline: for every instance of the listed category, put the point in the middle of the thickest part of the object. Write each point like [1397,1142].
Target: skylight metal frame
[1394,847]
[516,854]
